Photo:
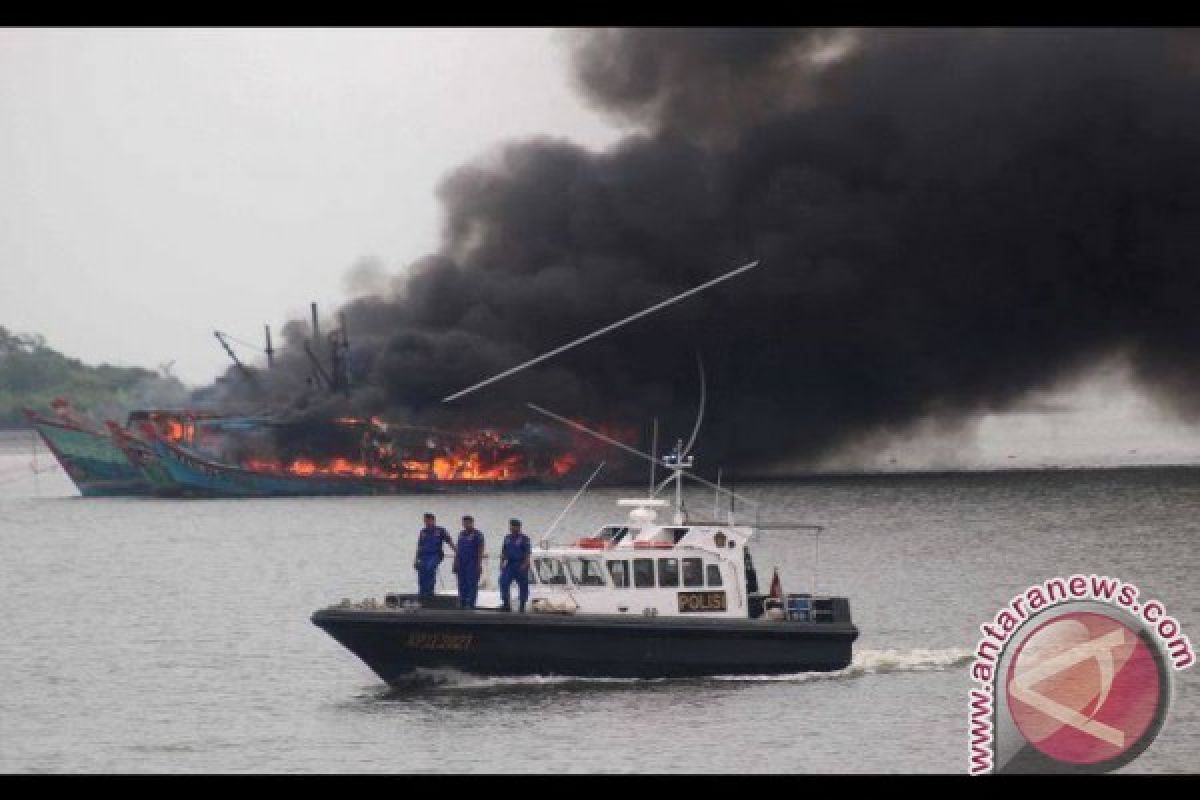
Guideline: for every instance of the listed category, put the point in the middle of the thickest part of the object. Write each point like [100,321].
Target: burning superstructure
[371,448]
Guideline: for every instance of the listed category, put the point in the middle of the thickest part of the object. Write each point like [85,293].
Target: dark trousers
[427,575]
[468,585]
[507,576]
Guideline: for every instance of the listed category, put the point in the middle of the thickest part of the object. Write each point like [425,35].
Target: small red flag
[776,586]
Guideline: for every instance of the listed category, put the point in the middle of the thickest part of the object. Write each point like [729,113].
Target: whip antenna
[606,329]
[578,494]
[700,410]
[654,454]
[671,467]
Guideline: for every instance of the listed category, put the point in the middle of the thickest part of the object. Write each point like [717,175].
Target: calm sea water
[156,635]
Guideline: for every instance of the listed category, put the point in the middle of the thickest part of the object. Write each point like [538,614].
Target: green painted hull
[91,460]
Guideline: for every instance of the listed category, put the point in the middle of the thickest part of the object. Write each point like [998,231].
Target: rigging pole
[270,351]
[221,337]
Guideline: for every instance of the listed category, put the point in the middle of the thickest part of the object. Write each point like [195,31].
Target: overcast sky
[158,184]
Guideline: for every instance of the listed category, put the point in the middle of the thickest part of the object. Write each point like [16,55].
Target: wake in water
[874,662]
[866,662]
[449,678]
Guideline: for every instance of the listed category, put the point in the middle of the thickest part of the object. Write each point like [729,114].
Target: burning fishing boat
[112,462]
[88,455]
[203,454]
[256,457]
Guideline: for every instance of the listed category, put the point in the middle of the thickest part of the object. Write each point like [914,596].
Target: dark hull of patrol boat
[394,643]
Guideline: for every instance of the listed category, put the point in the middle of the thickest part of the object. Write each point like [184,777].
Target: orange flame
[302,466]
[482,455]
[563,464]
[468,466]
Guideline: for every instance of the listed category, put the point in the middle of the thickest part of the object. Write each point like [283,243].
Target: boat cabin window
[619,570]
[693,572]
[612,534]
[714,574]
[586,571]
[668,572]
[643,573]
[677,533]
[550,571]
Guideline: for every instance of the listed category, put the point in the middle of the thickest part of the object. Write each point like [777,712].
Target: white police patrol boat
[645,597]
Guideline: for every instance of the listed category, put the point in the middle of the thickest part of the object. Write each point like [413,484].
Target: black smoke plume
[946,220]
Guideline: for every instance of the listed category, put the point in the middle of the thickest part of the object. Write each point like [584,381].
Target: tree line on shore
[32,374]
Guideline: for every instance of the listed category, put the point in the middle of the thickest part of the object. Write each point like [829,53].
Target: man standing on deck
[429,555]
[514,565]
[468,562]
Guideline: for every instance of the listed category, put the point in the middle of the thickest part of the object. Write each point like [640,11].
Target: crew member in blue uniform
[514,564]
[429,555]
[468,562]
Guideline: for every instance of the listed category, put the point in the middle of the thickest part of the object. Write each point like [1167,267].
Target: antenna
[700,410]
[653,454]
[816,559]
[677,462]
[717,497]
[732,502]
[606,329]
[677,469]
[578,494]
